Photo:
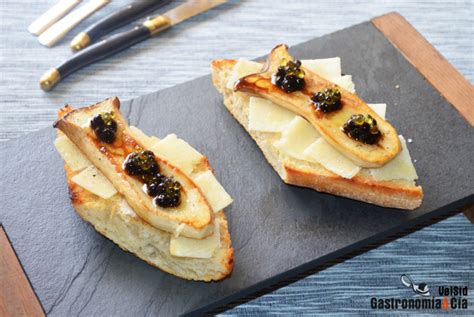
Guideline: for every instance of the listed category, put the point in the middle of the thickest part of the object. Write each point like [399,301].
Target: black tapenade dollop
[289,76]
[362,128]
[327,100]
[105,127]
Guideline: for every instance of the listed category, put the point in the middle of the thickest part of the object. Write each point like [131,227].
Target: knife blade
[190,9]
[121,41]
[112,21]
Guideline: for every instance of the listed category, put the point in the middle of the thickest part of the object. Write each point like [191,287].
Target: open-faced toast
[393,185]
[194,212]
[98,202]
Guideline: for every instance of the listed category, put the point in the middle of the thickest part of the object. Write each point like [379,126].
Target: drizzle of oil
[263,83]
[251,79]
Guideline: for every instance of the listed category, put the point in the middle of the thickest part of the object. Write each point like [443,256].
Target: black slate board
[277,230]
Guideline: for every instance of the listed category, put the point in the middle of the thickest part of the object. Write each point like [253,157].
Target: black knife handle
[115,20]
[103,49]
[123,16]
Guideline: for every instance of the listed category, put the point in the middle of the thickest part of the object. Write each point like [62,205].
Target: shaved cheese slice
[296,137]
[345,82]
[323,153]
[379,108]
[193,248]
[71,154]
[138,134]
[126,209]
[240,100]
[154,139]
[266,116]
[178,152]
[329,68]
[179,229]
[92,180]
[215,194]
[401,167]
[242,68]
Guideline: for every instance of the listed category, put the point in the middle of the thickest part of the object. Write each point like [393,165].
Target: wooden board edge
[17,297]
[446,79]
[469,212]
[436,69]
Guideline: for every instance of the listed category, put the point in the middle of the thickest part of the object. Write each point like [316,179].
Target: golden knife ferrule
[157,24]
[80,41]
[50,79]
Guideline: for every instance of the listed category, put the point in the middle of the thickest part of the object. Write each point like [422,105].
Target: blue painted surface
[440,254]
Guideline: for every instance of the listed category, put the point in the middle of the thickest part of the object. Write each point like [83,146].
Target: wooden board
[446,79]
[17,298]
[429,62]
[111,250]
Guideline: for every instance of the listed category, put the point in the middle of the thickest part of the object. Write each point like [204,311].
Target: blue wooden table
[441,254]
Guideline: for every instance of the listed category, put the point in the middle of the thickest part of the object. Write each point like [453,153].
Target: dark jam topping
[165,190]
[327,100]
[289,76]
[105,127]
[362,128]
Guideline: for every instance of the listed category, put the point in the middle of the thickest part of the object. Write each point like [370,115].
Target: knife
[121,41]
[53,15]
[59,29]
[115,20]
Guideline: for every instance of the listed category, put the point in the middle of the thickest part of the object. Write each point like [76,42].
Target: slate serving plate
[277,230]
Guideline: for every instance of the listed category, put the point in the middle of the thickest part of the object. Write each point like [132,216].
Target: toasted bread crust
[377,193]
[395,194]
[104,215]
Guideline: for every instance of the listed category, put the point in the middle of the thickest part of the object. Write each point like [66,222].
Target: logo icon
[419,289]
[448,297]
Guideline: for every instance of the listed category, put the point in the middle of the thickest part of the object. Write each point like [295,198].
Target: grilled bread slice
[193,216]
[209,259]
[328,124]
[403,194]
[152,245]
[114,219]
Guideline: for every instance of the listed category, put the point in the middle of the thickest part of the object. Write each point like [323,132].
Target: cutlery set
[88,44]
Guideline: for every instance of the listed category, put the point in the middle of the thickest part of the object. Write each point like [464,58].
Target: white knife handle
[56,32]
[55,13]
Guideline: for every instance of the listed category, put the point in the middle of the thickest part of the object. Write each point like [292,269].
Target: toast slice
[194,211]
[403,194]
[115,219]
[328,124]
